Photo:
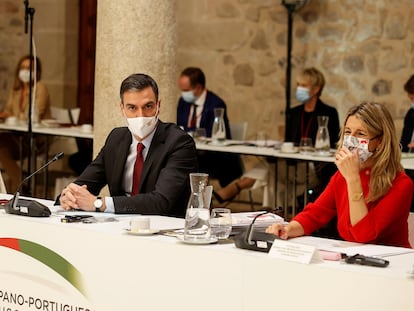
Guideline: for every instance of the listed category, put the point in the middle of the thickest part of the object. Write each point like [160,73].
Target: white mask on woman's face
[142,126]
[352,142]
[24,75]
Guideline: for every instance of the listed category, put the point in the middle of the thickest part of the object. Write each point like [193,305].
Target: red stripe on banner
[10,243]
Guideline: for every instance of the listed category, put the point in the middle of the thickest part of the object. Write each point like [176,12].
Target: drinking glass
[261,139]
[200,135]
[220,223]
[305,145]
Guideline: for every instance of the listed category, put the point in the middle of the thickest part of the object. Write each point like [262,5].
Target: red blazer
[385,223]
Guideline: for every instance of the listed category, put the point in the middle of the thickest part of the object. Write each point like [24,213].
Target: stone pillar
[133,36]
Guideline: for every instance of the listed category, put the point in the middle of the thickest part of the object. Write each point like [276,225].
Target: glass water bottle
[322,141]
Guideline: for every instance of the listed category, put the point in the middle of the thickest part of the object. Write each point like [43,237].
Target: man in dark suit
[196,110]
[162,153]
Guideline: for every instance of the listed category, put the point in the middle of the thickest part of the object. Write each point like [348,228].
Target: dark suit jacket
[165,186]
[207,116]
[293,128]
[408,129]
[226,167]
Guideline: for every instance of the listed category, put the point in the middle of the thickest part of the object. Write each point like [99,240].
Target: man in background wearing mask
[162,153]
[196,110]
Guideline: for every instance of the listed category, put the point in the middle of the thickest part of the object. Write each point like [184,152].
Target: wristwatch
[98,204]
[357,196]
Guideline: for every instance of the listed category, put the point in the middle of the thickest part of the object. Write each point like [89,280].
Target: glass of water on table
[220,222]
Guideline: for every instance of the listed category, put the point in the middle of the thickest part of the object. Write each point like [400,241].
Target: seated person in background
[17,106]
[370,193]
[407,136]
[304,123]
[304,118]
[145,165]
[196,110]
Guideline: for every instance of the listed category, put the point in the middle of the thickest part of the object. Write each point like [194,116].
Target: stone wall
[364,48]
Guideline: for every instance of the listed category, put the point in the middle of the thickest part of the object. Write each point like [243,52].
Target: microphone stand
[291,9]
[32,207]
[29,14]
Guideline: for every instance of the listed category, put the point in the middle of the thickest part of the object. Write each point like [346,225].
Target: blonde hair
[387,155]
[315,77]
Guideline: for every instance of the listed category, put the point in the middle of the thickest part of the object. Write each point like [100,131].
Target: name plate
[286,250]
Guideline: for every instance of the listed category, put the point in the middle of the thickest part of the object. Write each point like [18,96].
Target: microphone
[255,241]
[26,15]
[30,208]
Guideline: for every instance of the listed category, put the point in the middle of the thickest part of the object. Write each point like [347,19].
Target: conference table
[66,131]
[270,151]
[50,265]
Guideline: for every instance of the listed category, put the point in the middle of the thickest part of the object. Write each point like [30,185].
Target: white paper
[246,218]
[351,248]
[295,252]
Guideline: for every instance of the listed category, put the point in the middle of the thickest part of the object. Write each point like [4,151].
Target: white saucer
[143,232]
[211,240]
[294,150]
[323,154]
[49,123]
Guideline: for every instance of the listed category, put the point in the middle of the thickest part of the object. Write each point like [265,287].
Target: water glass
[200,135]
[220,223]
[305,145]
[261,139]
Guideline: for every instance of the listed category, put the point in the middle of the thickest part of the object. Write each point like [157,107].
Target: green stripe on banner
[54,261]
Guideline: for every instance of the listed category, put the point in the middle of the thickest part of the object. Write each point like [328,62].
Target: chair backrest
[238,130]
[2,185]
[411,229]
[63,115]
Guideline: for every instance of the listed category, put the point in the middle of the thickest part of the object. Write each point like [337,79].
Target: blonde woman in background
[18,107]
[370,194]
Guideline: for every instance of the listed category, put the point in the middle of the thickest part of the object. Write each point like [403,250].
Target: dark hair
[138,82]
[409,85]
[19,84]
[196,76]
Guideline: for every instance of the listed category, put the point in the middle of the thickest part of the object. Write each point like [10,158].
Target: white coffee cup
[11,121]
[287,147]
[140,224]
[86,128]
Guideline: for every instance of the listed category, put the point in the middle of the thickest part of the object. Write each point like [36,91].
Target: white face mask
[142,126]
[188,96]
[352,143]
[24,75]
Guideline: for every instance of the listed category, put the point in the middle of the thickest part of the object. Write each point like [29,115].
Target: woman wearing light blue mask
[371,198]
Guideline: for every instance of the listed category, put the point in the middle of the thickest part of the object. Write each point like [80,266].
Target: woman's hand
[347,163]
[283,231]
[278,230]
